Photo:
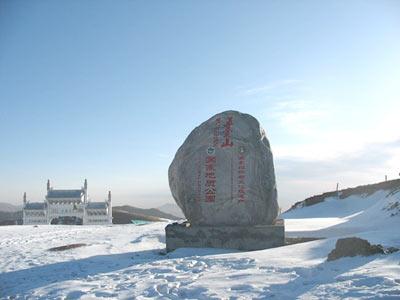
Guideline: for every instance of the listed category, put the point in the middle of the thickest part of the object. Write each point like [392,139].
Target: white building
[67,207]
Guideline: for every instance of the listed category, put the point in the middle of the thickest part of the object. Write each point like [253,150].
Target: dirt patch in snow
[298,240]
[67,247]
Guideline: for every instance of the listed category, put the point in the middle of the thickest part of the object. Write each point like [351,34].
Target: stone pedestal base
[246,238]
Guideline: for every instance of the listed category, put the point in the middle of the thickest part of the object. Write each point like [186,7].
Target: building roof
[96,205]
[64,193]
[35,205]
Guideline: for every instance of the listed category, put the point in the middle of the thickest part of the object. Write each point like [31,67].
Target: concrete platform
[246,238]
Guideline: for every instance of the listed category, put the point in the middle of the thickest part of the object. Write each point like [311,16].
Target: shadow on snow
[20,282]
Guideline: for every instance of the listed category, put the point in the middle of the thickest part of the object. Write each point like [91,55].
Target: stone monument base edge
[244,238]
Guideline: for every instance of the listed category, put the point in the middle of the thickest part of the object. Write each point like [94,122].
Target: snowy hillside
[128,262]
[379,211]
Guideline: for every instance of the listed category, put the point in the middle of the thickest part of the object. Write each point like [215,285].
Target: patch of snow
[129,262]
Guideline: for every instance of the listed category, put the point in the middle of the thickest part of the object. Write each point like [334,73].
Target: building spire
[85,195]
[24,197]
[48,184]
[109,208]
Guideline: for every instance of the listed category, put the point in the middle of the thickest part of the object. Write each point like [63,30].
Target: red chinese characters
[241,178]
[221,134]
[228,133]
[216,132]
[210,178]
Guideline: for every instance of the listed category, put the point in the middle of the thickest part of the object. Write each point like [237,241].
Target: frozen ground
[127,261]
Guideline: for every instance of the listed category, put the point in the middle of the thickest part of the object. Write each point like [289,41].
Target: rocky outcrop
[354,246]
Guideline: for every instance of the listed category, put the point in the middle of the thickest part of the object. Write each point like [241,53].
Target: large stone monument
[223,179]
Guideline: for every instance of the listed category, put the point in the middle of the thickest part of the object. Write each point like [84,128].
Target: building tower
[85,188]
[23,208]
[109,207]
[48,185]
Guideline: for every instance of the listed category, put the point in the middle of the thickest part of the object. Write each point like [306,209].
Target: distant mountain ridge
[8,207]
[10,218]
[153,212]
[173,209]
[125,217]
[369,189]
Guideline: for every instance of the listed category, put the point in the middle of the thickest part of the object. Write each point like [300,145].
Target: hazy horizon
[109,91]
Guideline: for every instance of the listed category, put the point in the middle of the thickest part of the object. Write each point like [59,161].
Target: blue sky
[109,90]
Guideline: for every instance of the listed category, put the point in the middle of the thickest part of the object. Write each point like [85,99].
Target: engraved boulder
[223,174]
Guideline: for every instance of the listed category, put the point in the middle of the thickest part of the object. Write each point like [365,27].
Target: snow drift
[129,262]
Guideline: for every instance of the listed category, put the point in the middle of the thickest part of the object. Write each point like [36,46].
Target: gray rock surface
[223,174]
[245,238]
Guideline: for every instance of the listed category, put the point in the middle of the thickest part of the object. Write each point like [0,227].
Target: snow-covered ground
[128,262]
